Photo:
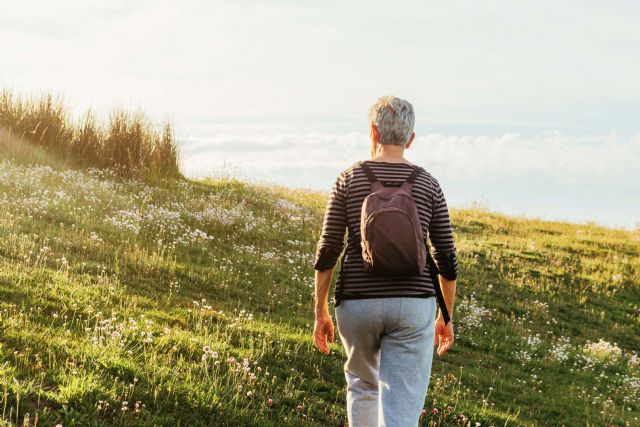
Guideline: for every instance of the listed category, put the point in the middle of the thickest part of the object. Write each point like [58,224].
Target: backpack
[391,236]
[392,241]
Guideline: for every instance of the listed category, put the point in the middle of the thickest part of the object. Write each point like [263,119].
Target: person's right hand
[323,332]
[444,335]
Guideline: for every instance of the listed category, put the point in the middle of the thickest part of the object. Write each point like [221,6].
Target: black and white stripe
[343,212]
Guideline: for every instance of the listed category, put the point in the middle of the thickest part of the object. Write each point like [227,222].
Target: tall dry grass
[40,129]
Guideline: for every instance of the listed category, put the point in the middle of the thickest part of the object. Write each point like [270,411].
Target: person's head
[392,120]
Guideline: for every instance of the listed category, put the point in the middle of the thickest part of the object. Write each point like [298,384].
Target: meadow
[190,303]
[132,301]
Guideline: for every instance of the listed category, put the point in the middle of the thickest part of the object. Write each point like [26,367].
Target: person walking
[386,316]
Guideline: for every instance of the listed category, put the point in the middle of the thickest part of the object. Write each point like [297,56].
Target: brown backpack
[391,233]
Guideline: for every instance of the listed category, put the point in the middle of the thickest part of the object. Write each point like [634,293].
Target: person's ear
[413,135]
[374,133]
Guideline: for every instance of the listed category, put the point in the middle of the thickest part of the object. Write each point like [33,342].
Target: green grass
[113,290]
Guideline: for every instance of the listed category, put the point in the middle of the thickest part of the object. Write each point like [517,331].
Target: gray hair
[394,118]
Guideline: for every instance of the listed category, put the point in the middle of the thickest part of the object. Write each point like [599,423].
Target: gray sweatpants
[389,346]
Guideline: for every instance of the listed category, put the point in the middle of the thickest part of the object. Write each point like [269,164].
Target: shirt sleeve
[334,227]
[443,249]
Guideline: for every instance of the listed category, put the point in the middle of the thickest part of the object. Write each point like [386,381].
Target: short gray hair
[394,118]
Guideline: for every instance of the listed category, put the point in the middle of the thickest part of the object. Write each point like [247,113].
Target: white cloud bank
[558,157]
[553,175]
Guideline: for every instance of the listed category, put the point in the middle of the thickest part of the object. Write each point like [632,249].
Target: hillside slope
[190,303]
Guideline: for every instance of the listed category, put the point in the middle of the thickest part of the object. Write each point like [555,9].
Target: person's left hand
[323,332]
[444,335]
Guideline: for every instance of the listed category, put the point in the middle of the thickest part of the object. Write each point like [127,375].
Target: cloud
[555,156]
[551,176]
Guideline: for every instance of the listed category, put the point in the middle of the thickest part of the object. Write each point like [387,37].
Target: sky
[525,107]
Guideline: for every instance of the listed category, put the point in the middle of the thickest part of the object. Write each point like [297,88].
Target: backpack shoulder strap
[414,174]
[433,269]
[368,172]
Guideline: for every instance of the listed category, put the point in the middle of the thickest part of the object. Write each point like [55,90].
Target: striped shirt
[343,213]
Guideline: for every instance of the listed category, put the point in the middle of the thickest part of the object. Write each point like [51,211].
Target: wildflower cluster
[602,350]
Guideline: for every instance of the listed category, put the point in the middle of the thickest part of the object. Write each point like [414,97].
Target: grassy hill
[190,303]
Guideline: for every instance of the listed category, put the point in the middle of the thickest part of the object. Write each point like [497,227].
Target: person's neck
[389,153]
